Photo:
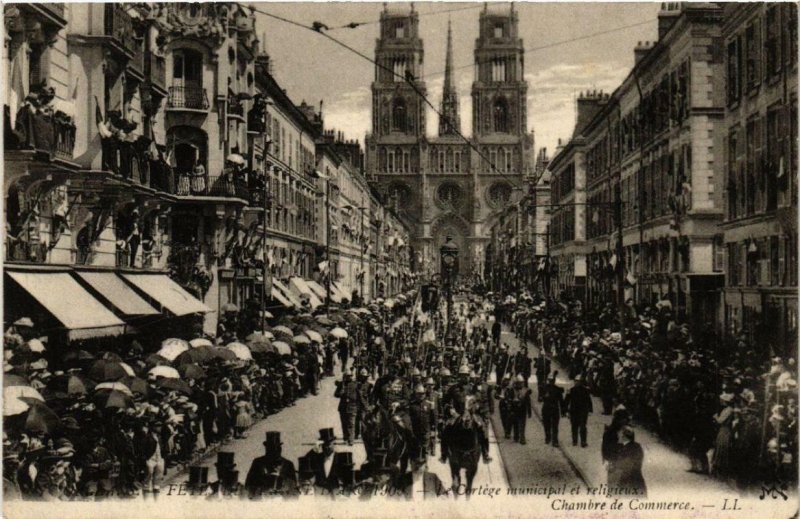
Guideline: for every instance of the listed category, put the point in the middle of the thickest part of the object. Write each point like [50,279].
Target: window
[499,30]
[774,164]
[509,163]
[719,254]
[772,45]
[498,71]
[501,115]
[790,29]
[400,30]
[399,69]
[753,66]
[734,70]
[399,115]
[734,182]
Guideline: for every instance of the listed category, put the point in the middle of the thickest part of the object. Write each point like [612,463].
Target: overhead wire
[408,78]
[353,25]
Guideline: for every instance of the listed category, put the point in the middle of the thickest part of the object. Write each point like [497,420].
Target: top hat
[198,476]
[326,435]
[343,459]
[273,439]
[225,460]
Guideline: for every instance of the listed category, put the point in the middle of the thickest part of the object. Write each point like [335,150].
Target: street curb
[500,453]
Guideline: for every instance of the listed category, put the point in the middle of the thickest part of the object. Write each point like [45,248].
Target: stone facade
[443,186]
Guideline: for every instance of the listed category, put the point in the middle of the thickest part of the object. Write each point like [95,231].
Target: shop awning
[118,293]
[277,296]
[167,293]
[343,290]
[300,287]
[60,294]
[317,288]
[276,283]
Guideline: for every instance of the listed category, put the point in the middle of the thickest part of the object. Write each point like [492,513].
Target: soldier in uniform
[423,419]
[271,473]
[506,396]
[433,396]
[347,393]
[522,364]
[501,363]
[552,409]
[521,408]
[364,393]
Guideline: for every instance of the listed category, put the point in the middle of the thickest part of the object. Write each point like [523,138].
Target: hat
[519,379]
[198,476]
[578,378]
[726,397]
[507,376]
[305,469]
[416,373]
[327,435]
[24,321]
[343,459]
[472,374]
[225,460]
[419,389]
[463,370]
[273,439]
[429,381]
[363,372]
[445,372]
[64,448]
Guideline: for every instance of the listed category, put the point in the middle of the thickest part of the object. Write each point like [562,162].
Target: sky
[315,69]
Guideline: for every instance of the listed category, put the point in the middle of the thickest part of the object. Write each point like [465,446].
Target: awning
[300,287]
[343,289]
[284,290]
[118,293]
[167,293]
[317,288]
[336,295]
[277,296]
[60,294]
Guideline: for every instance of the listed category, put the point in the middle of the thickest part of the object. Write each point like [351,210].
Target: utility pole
[328,239]
[620,256]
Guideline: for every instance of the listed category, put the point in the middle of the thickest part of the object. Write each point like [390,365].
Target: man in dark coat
[552,410]
[347,393]
[418,481]
[496,332]
[227,484]
[522,364]
[320,457]
[271,473]
[629,459]
[501,364]
[579,405]
[423,419]
[542,372]
[521,408]
[506,396]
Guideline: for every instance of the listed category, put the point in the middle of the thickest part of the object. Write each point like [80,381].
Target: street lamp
[449,267]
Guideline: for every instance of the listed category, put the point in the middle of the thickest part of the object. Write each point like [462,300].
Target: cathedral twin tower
[449,185]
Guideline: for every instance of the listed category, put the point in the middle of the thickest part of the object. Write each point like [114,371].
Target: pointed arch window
[500,114]
[399,115]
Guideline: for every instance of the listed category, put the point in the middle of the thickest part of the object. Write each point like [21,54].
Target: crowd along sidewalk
[665,469]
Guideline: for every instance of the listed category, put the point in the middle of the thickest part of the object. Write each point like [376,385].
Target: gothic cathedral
[445,185]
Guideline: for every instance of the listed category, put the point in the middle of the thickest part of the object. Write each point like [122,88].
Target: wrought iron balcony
[43,131]
[119,26]
[224,185]
[189,97]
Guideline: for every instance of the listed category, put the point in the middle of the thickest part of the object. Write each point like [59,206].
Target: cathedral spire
[449,122]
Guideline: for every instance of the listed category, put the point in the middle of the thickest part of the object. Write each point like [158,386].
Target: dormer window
[499,30]
[400,30]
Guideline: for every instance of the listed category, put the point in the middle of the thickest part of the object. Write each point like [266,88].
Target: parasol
[165,372]
[339,333]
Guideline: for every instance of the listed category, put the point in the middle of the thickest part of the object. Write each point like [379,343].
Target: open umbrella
[301,339]
[314,336]
[164,371]
[258,335]
[200,341]
[110,355]
[235,158]
[172,350]
[283,330]
[262,346]
[104,370]
[114,386]
[223,353]
[189,371]
[339,333]
[109,399]
[241,351]
[154,359]
[266,314]
[34,346]
[71,385]
[174,340]
[229,307]
[174,384]
[324,320]
[15,380]
[282,348]
[14,406]
[136,385]
[21,392]
[362,311]
[194,356]
[40,417]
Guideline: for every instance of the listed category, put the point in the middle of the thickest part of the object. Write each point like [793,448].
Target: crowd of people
[729,407]
[111,421]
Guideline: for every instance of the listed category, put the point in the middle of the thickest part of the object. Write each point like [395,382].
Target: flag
[323,266]
[18,91]
[613,261]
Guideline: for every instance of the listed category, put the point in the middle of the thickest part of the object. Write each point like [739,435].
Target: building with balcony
[760,187]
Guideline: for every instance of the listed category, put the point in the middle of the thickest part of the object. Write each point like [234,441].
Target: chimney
[589,105]
[641,50]
[667,16]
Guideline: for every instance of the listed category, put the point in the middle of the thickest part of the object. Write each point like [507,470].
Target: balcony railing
[44,131]
[155,69]
[224,185]
[191,97]
[119,26]
[235,106]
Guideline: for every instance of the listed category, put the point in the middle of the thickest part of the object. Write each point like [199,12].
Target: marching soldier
[434,397]
[579,404]
[501,363]
[521,408]
[423,419]
[506,397]
[522,364]
[347,393]
[552,409]
[542,372]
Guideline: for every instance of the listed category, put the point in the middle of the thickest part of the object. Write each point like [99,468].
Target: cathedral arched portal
[457,228]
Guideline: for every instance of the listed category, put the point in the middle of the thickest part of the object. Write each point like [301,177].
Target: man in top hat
[552,409]
[306,476]
[419,483]
[271,473]
[227,484]
[579,404]
[342,474]
[542,372]
[321,456]
[506,396]
[347,393]
[198,480]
